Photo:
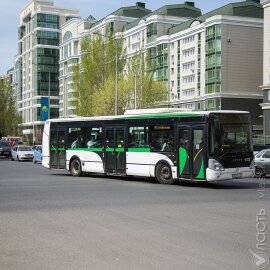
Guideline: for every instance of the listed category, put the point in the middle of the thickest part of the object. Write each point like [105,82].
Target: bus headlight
[215,165]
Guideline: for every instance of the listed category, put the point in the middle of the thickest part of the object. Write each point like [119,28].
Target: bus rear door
[115,150]
[191,152]
[58,148]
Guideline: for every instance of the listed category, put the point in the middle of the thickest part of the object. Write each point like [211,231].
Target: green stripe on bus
[57,149]
[161,115]
[182,159]
[87,149]
[201,172]
[138,149]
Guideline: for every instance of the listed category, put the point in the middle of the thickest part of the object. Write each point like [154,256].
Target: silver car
[22,153]
[262,162]
[5,149]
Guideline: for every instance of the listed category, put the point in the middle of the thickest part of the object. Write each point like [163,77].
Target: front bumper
[229,174]
[25,157]
[5,153]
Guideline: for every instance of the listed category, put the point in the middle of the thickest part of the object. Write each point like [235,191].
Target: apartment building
[210,62]
[266,68]
[37,62]
[207,62]
[74,31]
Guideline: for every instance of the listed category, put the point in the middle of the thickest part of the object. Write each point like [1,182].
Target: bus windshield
[230,134]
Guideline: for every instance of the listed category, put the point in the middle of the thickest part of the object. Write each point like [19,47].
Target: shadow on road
[227,184]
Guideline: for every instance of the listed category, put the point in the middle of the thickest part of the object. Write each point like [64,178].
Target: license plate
[236,175]
[6,153]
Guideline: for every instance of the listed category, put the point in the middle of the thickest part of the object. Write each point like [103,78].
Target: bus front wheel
[75,167]
[164,174]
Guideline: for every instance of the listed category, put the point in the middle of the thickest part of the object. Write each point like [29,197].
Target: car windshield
[24,148]
[258,155]
[4,144]
[230,134]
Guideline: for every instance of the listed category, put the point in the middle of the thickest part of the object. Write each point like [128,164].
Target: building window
[188,79]
[189,65]
[67,36]
[188,39]
[188,92]
[188,52]
[151,32]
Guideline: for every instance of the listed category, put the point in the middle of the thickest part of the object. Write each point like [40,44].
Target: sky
[10,10]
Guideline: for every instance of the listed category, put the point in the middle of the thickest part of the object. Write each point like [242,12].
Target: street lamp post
[116,78]
[264,135]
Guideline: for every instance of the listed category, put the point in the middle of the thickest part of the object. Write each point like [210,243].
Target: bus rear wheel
[75,167]
[164,174]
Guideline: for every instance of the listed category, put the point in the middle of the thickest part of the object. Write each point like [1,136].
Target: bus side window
[75,138]
[93,137]
[162,139]
[138,137]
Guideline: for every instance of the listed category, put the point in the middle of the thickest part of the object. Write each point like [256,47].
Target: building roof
[247,8]
[90,18]
[178,10]
[130,11]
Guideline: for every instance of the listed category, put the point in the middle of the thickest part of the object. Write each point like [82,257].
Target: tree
[9,117]
[149,92]
[96,67]
[94,79]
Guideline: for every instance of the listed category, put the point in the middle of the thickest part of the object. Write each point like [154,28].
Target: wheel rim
[75,167]
[258,172]
[165,173]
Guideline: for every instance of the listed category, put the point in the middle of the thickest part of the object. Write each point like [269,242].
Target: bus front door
[58,148]
[115,153]
[191,152]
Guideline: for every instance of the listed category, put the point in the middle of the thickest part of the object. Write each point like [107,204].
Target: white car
[262,162]
[22,153]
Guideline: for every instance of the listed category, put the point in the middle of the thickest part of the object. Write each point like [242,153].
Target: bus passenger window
[75,138]
[93,137]
[162,139]
[138,137]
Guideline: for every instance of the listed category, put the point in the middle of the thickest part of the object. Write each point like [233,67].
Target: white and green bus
[167,144]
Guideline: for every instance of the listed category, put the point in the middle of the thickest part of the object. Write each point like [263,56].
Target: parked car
[258,147]
[37,155]
[262,162]
[5,149]
[22,153]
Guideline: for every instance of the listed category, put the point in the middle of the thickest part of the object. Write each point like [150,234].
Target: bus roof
[148,113]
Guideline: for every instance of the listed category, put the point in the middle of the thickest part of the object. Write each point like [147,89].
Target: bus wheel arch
[163,173]
[75,166]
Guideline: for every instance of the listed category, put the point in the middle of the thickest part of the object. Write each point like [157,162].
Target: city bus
[168,144]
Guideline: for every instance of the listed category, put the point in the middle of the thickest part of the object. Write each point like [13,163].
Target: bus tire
[75,167]
[164,174]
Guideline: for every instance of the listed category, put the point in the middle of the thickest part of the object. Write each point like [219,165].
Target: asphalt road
[51,220]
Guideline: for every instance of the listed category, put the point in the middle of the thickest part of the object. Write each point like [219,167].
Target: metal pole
[33,111]
[264,135]
[135,93]
[49,111]
[116,78]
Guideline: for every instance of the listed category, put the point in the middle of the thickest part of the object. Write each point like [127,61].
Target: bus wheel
[164,174]
[75,167]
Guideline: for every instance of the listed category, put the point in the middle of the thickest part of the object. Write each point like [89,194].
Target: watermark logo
[260,259]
